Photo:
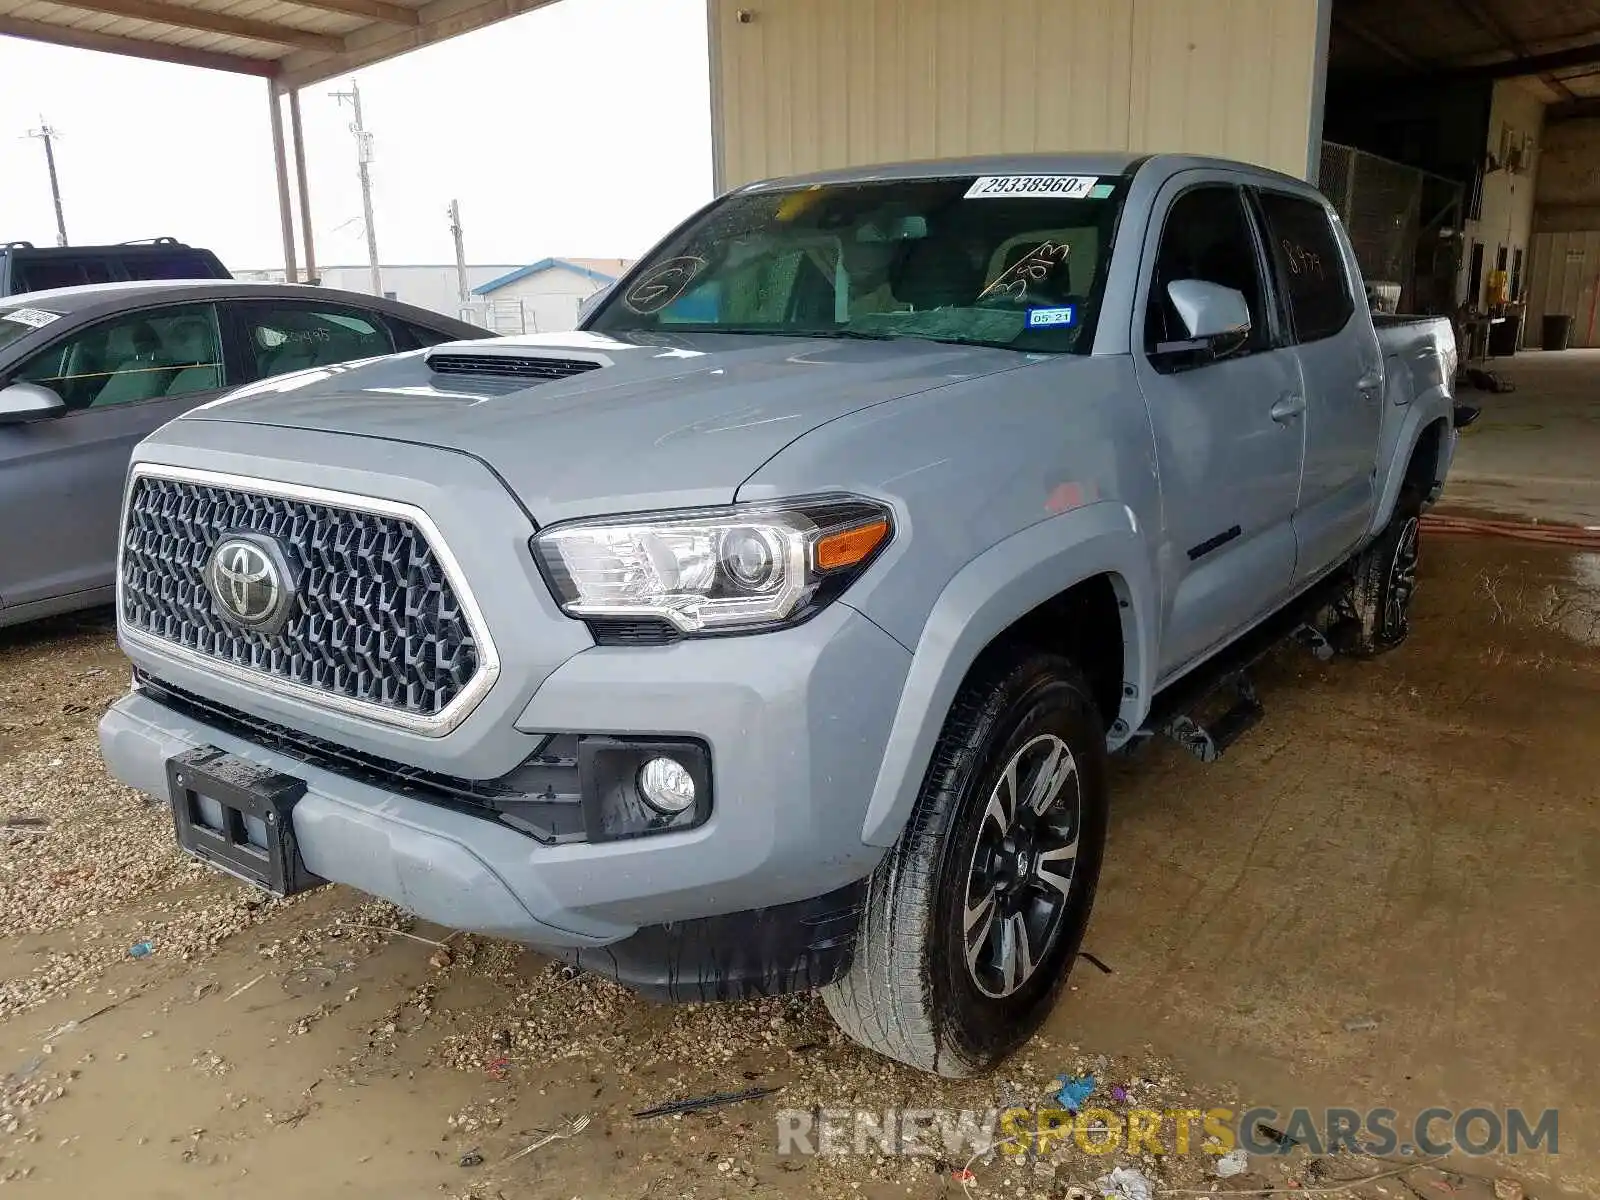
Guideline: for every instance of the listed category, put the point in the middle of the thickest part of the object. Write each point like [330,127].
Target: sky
[537,125]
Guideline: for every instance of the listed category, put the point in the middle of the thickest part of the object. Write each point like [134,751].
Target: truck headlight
[713,570]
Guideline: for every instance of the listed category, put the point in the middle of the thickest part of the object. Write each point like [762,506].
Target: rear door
[1341,364]
[61,478]
[1228,443]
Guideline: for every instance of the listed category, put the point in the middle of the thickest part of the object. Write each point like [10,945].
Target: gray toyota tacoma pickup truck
[772,631]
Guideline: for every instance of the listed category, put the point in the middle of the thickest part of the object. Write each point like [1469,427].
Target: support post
[298,138]
[291,273]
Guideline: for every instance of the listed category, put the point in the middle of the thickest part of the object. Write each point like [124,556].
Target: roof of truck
[1107,162]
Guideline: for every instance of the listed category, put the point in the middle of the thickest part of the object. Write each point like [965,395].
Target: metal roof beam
[203,19]
[1487,21]
[440,21]
[89,39]
[376,10]
[1529,64]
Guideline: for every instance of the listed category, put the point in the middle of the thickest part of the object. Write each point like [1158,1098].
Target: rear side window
[52,269]
[284,337]
[175,264]
[1309,263]
[42,274]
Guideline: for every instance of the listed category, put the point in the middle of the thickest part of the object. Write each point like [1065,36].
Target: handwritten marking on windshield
[1034,267]
[663,284]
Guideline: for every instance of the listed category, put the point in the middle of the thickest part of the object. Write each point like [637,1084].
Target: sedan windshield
[1012,261]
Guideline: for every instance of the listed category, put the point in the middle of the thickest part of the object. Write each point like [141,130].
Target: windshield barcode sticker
[1058,187]
[34,318]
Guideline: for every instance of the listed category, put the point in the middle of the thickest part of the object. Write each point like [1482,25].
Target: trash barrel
[1504,336]
[1557,331]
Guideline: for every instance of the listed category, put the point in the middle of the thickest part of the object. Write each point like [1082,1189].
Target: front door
[1227,429]
[61,478]
[1342,364]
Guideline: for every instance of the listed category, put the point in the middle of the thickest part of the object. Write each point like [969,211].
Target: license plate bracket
[237,816]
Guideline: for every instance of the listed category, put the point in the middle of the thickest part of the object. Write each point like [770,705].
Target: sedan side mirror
[22,402]
[1216,318]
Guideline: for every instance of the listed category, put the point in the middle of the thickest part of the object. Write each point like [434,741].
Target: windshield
[1012,261]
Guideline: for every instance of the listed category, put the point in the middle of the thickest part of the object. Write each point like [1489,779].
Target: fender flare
[987,596]
[1420,414]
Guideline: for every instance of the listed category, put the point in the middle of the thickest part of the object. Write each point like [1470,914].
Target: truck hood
[652,422]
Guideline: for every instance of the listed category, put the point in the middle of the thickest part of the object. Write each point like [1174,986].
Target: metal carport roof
[289,43]
[293,43]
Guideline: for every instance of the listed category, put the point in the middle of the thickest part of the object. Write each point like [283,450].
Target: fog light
[666,785]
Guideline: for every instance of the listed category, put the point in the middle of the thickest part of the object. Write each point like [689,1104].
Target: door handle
[1370,381]
[1289,406]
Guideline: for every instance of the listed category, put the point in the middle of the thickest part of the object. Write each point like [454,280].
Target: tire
[1374,617]
[912,992]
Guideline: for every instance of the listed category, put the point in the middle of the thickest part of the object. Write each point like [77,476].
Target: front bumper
[796,723]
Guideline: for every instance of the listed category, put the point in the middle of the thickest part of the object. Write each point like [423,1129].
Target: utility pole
[47,135]
[363,160]
[461,253]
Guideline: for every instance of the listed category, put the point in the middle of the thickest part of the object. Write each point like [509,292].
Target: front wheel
[974,918]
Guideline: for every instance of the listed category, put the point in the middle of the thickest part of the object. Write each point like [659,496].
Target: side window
[1206,236]
[292,337]
[143,356]
[1310,263]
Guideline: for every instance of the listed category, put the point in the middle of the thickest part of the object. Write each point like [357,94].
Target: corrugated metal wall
[809,84]
[1563,279]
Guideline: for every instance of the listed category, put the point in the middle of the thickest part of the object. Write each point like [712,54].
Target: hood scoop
[532,368]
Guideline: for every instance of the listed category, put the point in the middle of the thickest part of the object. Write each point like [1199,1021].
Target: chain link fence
[1394,214]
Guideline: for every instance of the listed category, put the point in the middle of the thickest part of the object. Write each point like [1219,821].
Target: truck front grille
[375,619]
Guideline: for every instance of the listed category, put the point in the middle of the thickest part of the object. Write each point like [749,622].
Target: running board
[1173,710]
[1208,742]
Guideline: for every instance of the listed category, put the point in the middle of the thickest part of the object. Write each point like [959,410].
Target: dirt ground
[1385,895]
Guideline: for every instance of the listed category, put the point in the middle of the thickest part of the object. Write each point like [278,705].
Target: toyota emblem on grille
[251,583]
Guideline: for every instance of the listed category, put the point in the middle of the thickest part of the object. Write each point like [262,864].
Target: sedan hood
[623,425]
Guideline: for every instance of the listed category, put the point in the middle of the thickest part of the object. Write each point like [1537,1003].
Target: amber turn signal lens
[850,546]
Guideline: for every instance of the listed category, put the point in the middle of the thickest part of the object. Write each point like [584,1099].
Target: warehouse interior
[1461,144]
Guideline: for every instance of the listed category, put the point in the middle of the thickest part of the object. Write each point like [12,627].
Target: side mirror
[22,402]
[1216,318]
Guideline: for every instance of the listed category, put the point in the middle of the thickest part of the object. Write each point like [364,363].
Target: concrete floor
[1535,452]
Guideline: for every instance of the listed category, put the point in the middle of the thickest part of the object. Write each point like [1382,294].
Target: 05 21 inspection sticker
[1053,318]
[1055,187]
[34,318]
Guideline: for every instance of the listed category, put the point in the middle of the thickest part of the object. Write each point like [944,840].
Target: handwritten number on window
[1032,268]
[1302,261]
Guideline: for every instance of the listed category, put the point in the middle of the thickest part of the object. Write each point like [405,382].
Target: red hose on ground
[1575,536]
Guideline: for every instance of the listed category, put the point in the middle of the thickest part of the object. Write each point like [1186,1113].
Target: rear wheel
[1375,615]
[974,918]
